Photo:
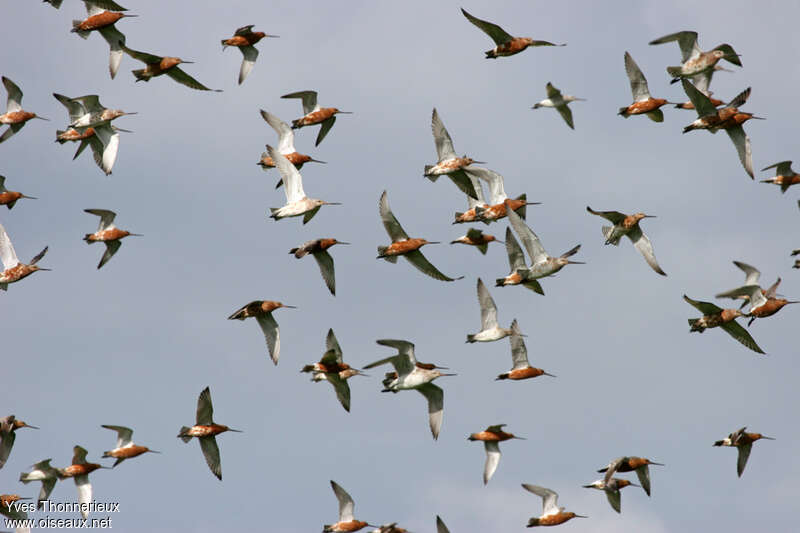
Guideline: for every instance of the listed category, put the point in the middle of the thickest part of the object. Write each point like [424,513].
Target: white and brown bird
[506,44]
[262,310]
[319,249]
[314,114]
[107,233]
[158,65]
[743,442]
[628,226]
[15,117]
[491,437]
[14,269]
[334,370]
[125,447]
[643,103]
[205,429]
[244,39]
[629,464]
[403,245]
[102,17]
[79,471]
[297,203]
[347,521]
[559,102]
[449,164]
[8,428]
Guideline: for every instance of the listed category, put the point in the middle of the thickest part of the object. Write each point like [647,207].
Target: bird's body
[628,225]
[714,316]
[10,198]
[79,470]
[285,146]
[631,464]
[205,430]
[334,370]
[319,249]
[15,117]
[297,203]
[506,44]
[404,245]
[8,427]
[611,486]
[160,65]
[410,375]
[491,437]
[785,177]
[41,471]
[521,368]
[643,103]
[107,233]
[244,38]
[490,329]
[449,163]
[125,447]
[103,21]
[476,238]
[695,61]
[14,269]
[347,521]
[743,441]
[262,310]
[314,114]
[552,514]
[559,102]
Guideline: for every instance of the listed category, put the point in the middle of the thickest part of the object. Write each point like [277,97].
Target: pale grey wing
[405,361]
[272,334]
[642,243]
[205,410]
[106,217]
[391,224]
[735,330]
[14,101]
[342,390]
[310,214]
[476,186]
[461,180]
[784,168]
[553,93]
[638,82]
[97,152]
[285,133]
[519,353]
[744,454]
[772,290]
[7,254]
[516,260]
[346,504]
[124,435]
[325,262]
[250,54]
[566,114]
[614,499]
[91,102]
[706,308]
[309,100]
[74,107]
[47,487]
[324,128]
[211,453]
[3,184]
[643,473]
[111,249]
[488,307]
[702,81]
[497,34]
[435,397]
[115,40]
[751,273]
[6,443]
[444,144]
[495,181]
[549,498]
[395,360]
[492,459]
[84,492]
[144,57]
[702,103]
[529,239]
[332,345]
[742,143]
[184,79]
[79,455]
[612,467]
[81,147]
[615,217]
[426,267]
[687,41]
[12,129]
[440,527]
[753,292]
[292,180]
[109,140]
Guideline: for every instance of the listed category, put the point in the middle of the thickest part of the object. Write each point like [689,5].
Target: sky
[134,343]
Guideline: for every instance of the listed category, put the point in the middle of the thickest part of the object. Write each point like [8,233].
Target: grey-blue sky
[135,343]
